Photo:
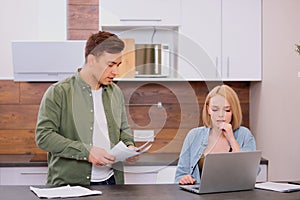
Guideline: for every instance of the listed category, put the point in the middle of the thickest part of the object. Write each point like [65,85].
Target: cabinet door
[137,12]
[241,39]
[141,174]
[23,175]
[199,54]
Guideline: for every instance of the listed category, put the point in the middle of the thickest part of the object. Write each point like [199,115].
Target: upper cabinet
[241,40]
[139,13]
[220,40]
[213,39]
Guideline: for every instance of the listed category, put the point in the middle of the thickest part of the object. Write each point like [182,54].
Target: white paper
[64,192]
[278,187]
[122,152]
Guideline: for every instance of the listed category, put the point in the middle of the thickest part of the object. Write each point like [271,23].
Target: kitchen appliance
[152,60]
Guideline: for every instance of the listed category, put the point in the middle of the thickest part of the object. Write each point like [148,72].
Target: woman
[222,132]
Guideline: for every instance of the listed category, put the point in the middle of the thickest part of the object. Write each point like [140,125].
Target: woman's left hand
[227,131]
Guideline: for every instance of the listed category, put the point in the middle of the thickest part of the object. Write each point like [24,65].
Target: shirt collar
[82,83]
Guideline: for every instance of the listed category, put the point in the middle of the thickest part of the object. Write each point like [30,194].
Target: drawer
[23,175]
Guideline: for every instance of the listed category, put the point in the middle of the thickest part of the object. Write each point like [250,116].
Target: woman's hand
[227,131]
[186,180]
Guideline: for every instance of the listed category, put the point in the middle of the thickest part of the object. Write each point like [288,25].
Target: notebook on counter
[279,187]
[227,172]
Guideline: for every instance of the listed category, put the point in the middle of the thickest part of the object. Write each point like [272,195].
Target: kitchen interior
[194,46]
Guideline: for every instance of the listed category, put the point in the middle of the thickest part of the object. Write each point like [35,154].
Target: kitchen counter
[150,191]
[147,159]
[23,160]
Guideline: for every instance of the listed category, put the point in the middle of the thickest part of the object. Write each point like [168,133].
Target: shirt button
[90,94]
[91,128]
[87,177]
[84,158]
[92,110]
[83,87]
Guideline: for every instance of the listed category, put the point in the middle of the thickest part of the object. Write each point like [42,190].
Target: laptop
[227,172]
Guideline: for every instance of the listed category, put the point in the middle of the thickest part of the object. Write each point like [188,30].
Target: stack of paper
[122,152]
[64,192]
[278,187]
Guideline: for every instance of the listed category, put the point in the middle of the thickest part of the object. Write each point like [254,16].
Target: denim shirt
[195,143]
[65,129]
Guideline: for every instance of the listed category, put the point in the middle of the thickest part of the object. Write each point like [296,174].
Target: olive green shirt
[65,129]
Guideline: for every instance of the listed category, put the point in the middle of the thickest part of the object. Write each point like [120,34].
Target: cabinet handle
[217,67]
[138,20]
[228,66]
[33,173]
[158,104]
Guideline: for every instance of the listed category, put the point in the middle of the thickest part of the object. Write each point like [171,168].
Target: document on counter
[122,152]
[278,187]
[64,192]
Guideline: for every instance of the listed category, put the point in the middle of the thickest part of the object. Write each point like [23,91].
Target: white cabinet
[220,40]
[263,174]
[241,40]
[149,174]
[139,13]
[23,175]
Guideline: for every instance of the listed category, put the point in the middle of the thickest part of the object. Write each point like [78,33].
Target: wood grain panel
[32,93]
[83,2]
[202,89]
[153,92]
[18,117]
[80,34]
[83,17]
[18,142]
[167,140]
[170,116]
[9,92]
[127,67]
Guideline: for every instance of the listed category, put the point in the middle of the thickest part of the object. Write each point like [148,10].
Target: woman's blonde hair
[230,95]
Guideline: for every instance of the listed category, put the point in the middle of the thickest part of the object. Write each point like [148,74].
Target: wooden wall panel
[18,142]
[80,34]
[32,93]
[171,122]
[83,18]
[83,2]
[15,117]
[9,92]
[170,140]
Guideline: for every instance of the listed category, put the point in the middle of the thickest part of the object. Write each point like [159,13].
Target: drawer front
[23,175]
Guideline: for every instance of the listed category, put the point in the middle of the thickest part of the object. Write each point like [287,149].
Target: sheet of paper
[63,192]
[278,187]
[122,152]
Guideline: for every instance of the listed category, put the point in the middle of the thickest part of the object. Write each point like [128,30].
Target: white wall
[275,102]
[29,20]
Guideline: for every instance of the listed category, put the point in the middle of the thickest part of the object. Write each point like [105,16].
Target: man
[83,116]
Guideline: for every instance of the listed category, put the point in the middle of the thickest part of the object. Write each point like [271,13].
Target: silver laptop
[227,172]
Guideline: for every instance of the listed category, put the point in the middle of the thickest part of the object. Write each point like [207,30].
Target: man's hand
[100,157]
[132,160]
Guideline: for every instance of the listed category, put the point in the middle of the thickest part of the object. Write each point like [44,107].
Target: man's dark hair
[103,42]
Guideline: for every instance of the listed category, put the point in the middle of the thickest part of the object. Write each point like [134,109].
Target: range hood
[46,60]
